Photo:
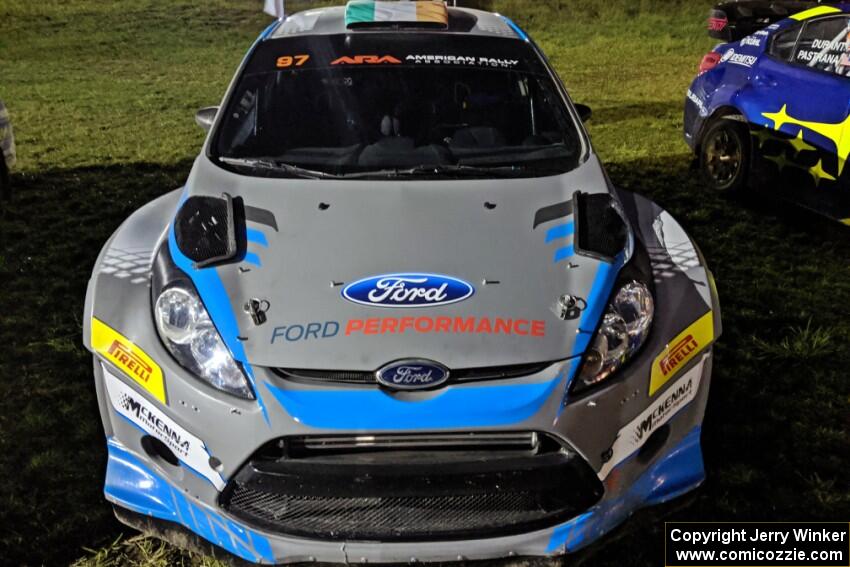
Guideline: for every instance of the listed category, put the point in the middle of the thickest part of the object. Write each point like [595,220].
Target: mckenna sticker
[681,350]
[633,435]
[188,448]
[120,351]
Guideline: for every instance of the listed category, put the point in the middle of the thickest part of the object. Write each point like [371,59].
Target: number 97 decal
[290,60]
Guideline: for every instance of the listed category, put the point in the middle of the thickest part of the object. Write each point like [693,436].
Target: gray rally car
[398,312]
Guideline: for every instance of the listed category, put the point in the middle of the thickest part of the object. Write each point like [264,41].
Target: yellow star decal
[834,132]
[762,136]
[781,161]
[818,173]
[799,145]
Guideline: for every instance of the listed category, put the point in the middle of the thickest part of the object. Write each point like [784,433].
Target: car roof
[327,21]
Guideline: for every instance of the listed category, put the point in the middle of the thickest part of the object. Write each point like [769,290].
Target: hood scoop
[207,231]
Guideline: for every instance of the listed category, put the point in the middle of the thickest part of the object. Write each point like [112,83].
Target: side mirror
[205,117]
[584,112]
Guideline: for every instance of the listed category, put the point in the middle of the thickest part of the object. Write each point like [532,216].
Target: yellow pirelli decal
[678,352]
[814,12]
[120,351]
[846,221]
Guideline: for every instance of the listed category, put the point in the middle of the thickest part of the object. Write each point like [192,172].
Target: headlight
[189,334]
[622,331]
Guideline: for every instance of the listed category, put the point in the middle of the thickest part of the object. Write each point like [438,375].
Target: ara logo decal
[407,290]
[366,60]
[412,375]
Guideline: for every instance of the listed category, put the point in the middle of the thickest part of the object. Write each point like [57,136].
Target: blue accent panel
[522,35]
[473,406]
[677,472]
[202,523]
[187,518]
[569,533]
[252,258]
[257,237]
[214,296]
[132,485]
[561,231]
[220,532]
[680,471]
[563,253]
[260,544]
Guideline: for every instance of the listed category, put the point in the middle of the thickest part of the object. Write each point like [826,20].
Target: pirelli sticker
[120,351]
[680,351]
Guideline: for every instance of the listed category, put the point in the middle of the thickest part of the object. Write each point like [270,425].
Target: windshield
[380,104]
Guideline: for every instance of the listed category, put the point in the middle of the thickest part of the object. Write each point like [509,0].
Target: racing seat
[395,150]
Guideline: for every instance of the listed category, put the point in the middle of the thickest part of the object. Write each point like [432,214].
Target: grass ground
[102,97]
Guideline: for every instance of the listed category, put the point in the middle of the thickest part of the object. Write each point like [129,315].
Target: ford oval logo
[407,290]
[412,374]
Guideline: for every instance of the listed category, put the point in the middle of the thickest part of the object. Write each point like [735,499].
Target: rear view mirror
[584,112]
[205,117]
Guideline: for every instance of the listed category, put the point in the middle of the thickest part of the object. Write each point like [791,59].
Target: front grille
[411,487]
[457,375]
[391,517]
[522,440]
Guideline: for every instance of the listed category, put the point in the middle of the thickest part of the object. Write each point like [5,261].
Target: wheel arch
[725,112]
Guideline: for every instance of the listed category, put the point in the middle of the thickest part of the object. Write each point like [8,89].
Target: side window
[783,43]
[824,45]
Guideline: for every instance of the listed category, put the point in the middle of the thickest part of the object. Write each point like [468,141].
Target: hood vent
[205,229]
[600,231]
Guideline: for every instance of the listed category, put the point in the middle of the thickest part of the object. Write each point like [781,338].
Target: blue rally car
[771,111]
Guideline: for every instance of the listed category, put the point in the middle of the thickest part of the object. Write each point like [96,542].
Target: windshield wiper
[459,169]
[271,165]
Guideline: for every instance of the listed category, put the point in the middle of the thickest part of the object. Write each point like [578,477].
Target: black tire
[725,156]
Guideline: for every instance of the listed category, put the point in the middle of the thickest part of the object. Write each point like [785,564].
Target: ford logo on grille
[407,290]
[412,374]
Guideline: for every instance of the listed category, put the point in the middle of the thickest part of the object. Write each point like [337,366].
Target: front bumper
[639,435]
[140,481]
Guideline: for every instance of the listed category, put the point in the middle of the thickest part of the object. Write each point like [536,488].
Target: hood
[351,275]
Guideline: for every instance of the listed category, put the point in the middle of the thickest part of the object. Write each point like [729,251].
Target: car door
[798,101]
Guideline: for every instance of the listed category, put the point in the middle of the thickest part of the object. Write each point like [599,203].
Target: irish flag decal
[360,12]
